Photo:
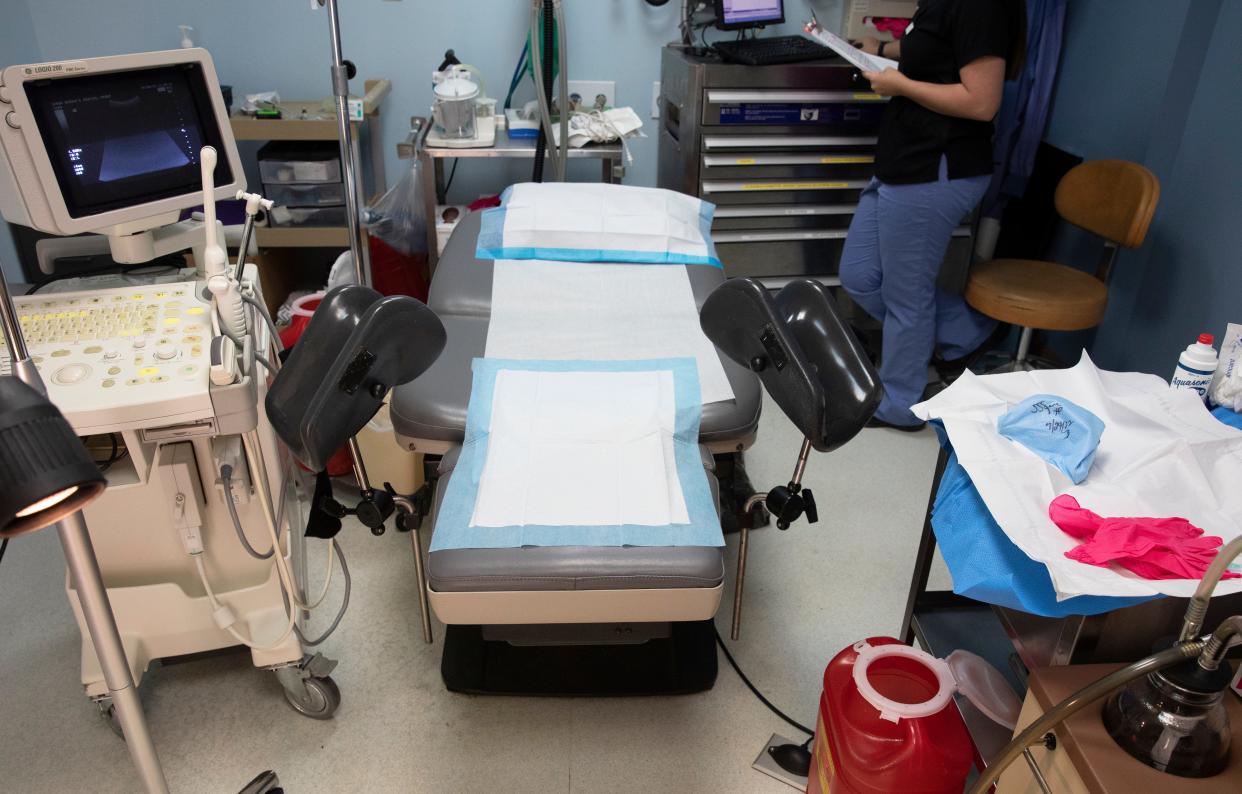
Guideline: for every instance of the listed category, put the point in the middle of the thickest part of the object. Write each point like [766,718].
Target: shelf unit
[309,121]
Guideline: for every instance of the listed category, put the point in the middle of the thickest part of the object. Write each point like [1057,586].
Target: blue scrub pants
[896,244]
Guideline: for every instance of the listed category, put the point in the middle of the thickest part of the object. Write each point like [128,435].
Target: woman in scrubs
[933,163]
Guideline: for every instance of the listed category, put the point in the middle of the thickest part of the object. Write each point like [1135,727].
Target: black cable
[4,545]
[545,66]
[756,692]
[452,172]
[113,455]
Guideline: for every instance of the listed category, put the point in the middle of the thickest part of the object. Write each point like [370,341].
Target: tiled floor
[217,722]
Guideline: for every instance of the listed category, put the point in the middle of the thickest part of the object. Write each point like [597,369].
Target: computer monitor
[738,14]
[111,145]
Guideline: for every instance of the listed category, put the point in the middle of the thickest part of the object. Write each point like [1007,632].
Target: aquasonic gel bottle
[1196,366]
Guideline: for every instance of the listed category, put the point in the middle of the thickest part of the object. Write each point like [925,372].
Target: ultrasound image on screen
[117,140]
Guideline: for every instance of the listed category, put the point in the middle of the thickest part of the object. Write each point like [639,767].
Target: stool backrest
[1112,198]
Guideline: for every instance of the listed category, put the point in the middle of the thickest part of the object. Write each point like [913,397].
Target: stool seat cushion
[1035,294]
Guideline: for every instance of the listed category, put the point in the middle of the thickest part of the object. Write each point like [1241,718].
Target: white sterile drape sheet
[592,222]
[1162,454]
[600,312]
[581,448]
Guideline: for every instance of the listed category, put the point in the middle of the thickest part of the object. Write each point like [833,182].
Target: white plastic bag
[399,216]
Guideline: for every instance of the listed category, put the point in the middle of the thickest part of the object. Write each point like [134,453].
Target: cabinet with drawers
[783,152]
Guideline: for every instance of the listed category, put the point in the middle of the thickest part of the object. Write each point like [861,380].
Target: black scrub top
[946,35]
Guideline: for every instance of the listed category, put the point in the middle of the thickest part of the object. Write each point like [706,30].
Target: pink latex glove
[1153,548]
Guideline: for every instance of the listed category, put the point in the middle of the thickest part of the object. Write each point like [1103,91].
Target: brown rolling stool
[1114,199]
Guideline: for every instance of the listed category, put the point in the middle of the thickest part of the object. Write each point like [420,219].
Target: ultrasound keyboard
[122,358]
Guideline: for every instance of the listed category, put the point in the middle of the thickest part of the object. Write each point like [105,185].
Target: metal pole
[87,581]
[349,168]
[360,468]
[405,505]
[84,572]
[420,578]
[19,355]
[739,581]
[800,467]
[353,202]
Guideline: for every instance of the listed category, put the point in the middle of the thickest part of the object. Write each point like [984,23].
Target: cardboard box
[856,11]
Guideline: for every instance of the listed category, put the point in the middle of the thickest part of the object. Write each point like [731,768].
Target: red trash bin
[886,724]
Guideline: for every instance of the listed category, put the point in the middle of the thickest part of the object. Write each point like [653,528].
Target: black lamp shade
[45,471]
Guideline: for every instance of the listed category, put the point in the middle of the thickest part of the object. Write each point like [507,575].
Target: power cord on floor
[756,692]
[4,545]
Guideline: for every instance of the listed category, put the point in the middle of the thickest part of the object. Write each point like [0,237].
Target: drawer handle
[777,237]
[784,141]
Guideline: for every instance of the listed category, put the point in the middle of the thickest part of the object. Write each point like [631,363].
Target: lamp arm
[19,355]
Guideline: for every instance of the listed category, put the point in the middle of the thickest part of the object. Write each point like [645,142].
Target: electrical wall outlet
[655,100]
[589,92]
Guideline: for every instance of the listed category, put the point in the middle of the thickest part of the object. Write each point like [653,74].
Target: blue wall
[283,45]
[1160,82]
[17,45]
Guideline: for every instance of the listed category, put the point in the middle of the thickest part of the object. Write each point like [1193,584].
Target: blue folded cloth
[987,566]
[1061,432]
[1228,416]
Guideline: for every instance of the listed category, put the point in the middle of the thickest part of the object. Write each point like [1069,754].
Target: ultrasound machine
[163,380]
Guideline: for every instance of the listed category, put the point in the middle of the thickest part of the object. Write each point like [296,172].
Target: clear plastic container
[299,161]
[306,194]
[307,216]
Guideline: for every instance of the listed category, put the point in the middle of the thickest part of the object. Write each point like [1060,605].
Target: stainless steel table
[612,167]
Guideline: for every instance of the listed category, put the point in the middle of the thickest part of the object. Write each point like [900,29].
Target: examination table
[546,596]
[567,619]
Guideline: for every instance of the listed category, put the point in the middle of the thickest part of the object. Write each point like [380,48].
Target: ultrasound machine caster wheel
[107,713]
[319,699]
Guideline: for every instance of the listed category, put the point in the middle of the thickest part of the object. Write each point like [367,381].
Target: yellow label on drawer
[796,186]
[744,161]
[868,97]
[846,159]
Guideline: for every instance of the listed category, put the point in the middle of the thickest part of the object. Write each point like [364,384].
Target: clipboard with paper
[860,59]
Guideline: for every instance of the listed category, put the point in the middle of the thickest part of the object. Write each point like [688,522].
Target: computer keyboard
[121,358]
[777,49]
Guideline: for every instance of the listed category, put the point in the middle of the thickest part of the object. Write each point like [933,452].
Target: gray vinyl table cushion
[572,567]
[433,407]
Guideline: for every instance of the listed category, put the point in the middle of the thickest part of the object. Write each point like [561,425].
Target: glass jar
[1175,722]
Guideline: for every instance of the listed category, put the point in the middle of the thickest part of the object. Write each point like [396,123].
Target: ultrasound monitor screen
[126,138]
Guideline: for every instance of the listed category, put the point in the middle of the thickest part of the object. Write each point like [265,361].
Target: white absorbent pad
[561,310]
[1162,454]
[595,222]
[580,454]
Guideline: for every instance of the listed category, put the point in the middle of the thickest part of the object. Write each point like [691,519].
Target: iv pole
[87,580]
[342,71]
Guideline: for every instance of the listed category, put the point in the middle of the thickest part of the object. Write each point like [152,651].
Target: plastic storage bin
[299,161]
[306,194]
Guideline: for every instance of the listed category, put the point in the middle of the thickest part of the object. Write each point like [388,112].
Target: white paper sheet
[592,216]
[581,449]
[1162,454]
[860,59]
[600,312]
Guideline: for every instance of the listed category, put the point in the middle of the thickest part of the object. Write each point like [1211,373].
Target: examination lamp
[46,471]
